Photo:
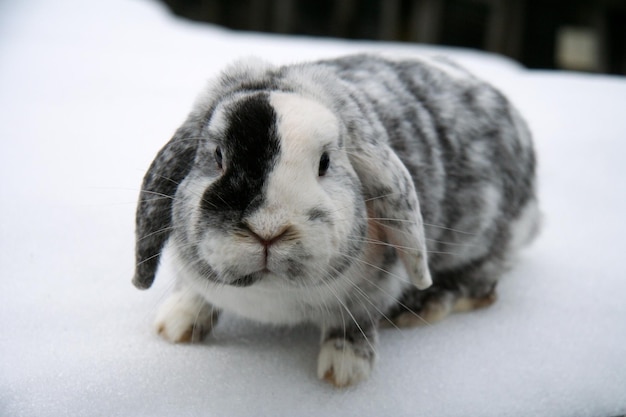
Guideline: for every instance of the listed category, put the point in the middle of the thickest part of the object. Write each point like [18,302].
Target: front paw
[341,364]
[185,317]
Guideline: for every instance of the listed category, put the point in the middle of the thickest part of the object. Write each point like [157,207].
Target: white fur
[271,301]
[180,313]
[526,226]
[251,66]
[341,365]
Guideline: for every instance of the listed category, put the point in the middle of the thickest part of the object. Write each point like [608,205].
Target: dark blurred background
[581,35]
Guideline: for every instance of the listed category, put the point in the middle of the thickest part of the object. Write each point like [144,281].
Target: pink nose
[267,239]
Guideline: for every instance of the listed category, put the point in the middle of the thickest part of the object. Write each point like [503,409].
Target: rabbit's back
[468,150]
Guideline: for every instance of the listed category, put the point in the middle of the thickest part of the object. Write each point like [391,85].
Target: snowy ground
[89,91]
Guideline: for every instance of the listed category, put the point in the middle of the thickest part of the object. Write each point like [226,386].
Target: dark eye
[218,157]
[324,164]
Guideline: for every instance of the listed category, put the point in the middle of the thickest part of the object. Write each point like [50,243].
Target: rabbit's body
[296,189]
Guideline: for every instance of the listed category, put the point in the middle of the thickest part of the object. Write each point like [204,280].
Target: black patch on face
[250,148]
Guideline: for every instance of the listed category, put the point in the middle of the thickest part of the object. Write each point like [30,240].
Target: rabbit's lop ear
[154,209]
[393,202]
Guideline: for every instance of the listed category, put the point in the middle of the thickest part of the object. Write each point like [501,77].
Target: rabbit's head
[270,184]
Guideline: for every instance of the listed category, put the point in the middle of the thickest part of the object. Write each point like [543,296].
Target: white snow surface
[90,90]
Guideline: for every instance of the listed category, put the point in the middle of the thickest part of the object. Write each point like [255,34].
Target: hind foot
[434,305]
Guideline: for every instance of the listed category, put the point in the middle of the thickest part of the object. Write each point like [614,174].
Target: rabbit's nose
[267,238]
[272,236]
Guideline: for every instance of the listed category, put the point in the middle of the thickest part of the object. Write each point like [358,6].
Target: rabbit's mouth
[291,273]
[248,280]
[263,275]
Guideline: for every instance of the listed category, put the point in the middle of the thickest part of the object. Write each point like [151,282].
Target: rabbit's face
[271,196]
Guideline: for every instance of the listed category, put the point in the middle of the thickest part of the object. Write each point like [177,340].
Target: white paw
[185,317]
[339,364]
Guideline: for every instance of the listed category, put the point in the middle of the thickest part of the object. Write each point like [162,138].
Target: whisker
[367,200]
[404,249]
[374,266]
[345,307]
[397,300]
[160,231]
[450,229]
[389,219]
[367,298]
[467,245]
[409,248]
[155,193]
[149,258]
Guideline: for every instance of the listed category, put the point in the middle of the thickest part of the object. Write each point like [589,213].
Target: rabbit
[346,193]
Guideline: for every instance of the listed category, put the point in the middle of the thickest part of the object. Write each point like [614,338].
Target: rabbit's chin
[291,274]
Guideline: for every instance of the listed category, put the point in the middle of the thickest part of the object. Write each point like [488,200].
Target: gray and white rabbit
[290,194]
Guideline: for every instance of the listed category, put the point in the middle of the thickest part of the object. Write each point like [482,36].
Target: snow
[89,91]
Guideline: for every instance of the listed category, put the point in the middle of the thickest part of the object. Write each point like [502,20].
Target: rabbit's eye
[324,164]
[218,157]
